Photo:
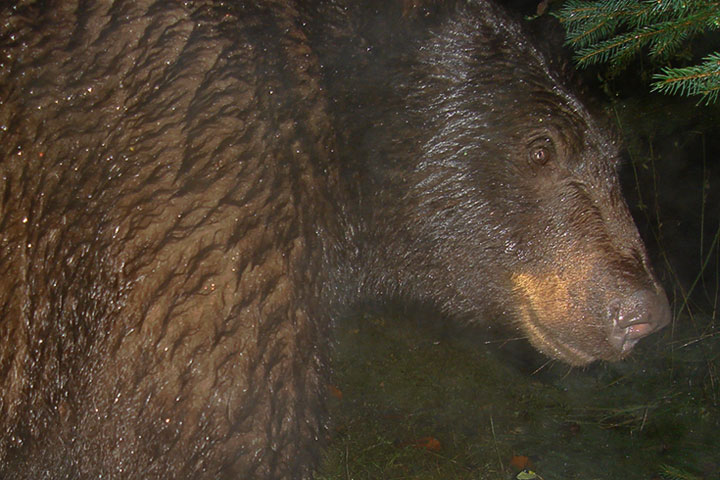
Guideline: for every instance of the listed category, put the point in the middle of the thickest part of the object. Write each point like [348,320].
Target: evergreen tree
[615,31]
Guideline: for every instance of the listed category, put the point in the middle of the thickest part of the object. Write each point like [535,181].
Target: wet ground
[415,402]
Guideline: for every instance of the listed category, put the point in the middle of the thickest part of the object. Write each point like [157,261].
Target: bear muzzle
[635,317]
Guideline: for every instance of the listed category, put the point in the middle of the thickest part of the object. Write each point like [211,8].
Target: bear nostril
[639,330]
[637,316]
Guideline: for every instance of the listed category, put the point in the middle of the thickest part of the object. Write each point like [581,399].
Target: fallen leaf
[520,462]
[335,392]
[428,443]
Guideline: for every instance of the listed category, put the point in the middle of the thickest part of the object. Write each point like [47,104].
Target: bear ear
[541,151]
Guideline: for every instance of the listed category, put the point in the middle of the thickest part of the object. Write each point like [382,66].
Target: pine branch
[703,80]
[616,49]
[673,473]
[615,31]
[671,34]
[587,22]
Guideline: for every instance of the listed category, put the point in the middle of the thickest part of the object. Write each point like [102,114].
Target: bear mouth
[549,344]
[549,315]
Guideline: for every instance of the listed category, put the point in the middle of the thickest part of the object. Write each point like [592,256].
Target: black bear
[193,191]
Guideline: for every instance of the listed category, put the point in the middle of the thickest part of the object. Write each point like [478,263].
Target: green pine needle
[702,80]
[615,31]
[614,50]
[674,473]
[587,21]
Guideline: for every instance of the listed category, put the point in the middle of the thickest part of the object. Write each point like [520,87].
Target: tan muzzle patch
[550,315]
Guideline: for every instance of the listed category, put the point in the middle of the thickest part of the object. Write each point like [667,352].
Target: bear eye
[541,151]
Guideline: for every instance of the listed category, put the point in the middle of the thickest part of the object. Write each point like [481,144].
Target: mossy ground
[413,402]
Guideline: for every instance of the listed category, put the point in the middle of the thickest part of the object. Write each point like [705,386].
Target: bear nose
[637,316]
